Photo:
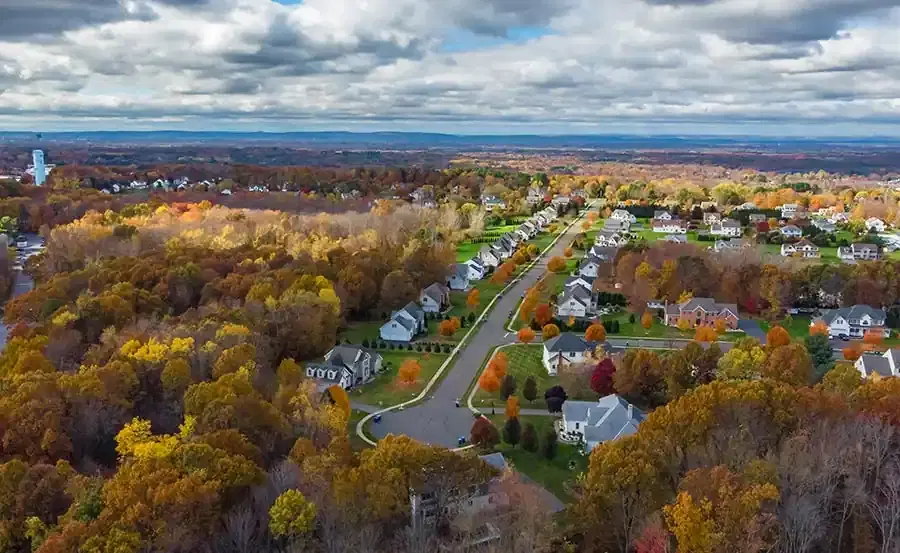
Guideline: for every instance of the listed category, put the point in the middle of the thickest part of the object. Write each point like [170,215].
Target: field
[797,327]
[553,474]
[385,390]
[525,361]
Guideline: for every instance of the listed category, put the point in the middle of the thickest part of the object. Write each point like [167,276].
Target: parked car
[21,243]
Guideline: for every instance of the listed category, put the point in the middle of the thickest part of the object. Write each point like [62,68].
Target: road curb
[360,426]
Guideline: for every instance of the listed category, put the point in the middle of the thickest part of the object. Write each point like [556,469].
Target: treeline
[668,272]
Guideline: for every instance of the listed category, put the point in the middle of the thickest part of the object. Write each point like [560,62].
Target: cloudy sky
[800,67]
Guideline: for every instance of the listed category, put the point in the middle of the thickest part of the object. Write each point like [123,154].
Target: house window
[330,375]
[321,373]
[310,372]
[577,424]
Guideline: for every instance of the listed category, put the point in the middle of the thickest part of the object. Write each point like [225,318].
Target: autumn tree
[777,336]
[550,331]
[484,434]
[409,372]
[844,379]
[291,514]
[647,320]
[819,327]
[873,338]
[543,314]
[512,431]
[512,407]
[820,353]
[555,397]
[603,377]
[526,335]
[705,333]
[720,326]
[852,352]
[489,382]
[568,252]
[639,377]
[529,304]
[449,327]
[595,333]
[789,364]
[507,386]
[473,299]
[557,265]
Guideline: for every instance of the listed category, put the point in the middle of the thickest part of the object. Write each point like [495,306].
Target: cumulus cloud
[346,62]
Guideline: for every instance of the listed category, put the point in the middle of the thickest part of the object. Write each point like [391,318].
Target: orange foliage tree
[595,333]
[705,334]
[720,326]
[873,338]
[449,327]
[543,314]
[526,335]
[777,336]
[550,331]
[819,327]
[557,265]
[473,299]
[568,252]
[529,303]
[852,353]
[489,382]
[647,320]
[409,372]
[512,407]
[499,364]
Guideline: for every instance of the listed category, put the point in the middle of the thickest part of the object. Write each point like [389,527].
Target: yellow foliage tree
[409,371]
[550,331]
[647,320]
[705,333]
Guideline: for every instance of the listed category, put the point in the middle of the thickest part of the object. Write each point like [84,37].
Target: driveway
[752,329]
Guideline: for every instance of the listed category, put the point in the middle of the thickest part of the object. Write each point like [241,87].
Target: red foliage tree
[602,378]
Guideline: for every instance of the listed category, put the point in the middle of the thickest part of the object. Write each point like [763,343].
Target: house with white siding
[576,301]
[854,322]
[568,348]
[879,366]
[434,298]
[404,325]
[594,423]
[346,366]
[459,277]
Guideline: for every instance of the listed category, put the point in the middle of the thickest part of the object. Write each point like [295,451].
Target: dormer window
[331,375]
[310,372]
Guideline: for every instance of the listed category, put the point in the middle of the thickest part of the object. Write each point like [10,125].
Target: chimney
[630,411]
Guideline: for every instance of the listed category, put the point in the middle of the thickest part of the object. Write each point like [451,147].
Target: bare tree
[884,504]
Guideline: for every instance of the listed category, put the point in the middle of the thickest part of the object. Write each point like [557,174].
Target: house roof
[603,253]
[436,291]
[854,312]
[679,238]
[730,223]
[805,243]
[790,228]
[615,224]
[486,250]
[876,364]
[665,223]
[862,246]
[460,270]
[579,294]
[567,342]
[660,212]
[494,460]
[576,280]
[707,304]
[402,321]
[609,418]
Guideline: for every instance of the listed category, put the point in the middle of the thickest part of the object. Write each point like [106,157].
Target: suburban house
[609,238]
[488,257]
[791,231]
[839,217]
[521,234]
[616,225]
[804,248]
[535,195]
[575,301]
[708,205]
[492,203]
[404,324]
[511,240]
[459,276]
[733,245]
[346,366]
[622,215]
[560,201]
[746,206]
[584,282]
[874,224]
[853,322]
[757,218]
[568,348]
[824,225]
[675,238]
[662,215]
[477,268]
[702,311]
[595,423]
[590,266]
[530,229]
[859,252]
[788,211]
[501,250]
[604,253]
[711,217]
[727,227]
[879,366]
[670,226]
[434,298]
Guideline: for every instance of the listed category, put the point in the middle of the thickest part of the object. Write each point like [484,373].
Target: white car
[21,243]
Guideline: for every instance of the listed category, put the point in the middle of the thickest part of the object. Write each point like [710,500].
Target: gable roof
[876,364]
[855,312]
[805,243]
[566,342]
[707,304]
[436,291]
[460,270]
[609,418]
[577,280]
[579,294]
[790,228]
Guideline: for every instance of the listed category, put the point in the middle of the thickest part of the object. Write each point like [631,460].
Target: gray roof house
[568,348]
[346,366]
[404,324]
[616,225]
[575,301]
[853,322]
[459,277]
[885,365]
[595,423]
[434,298]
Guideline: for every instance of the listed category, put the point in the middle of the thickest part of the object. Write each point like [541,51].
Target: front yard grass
[384,390]
[553,474]
[524,361]
[355,441]
[797,327]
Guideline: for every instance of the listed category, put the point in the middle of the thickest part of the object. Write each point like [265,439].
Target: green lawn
[797,327]
[467,251]
[552,474]
[524,361]
[357,442]
[385,390]
[358,331]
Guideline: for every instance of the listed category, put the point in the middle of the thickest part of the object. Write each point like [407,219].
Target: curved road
[437,421]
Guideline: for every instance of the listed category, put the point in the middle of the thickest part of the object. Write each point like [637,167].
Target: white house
[492,203]
[568,348]
[675,239]
[733,245]
[477,269]
[662,215]
[671,226]
[559,200]
[583,282]
[459,277]
[838,218]
[609,238]
[804,248]
[521,234]
[728,228]
[590,266]
[535,195]
[488,257]
[622,215]
[711,217]
[616,225]
[595,423]
[404,324]
[791,231]
[604,253]
[859,252]
[346,366]
[574,302]
[885,365]
[874,224]
[746,206]
[853,322]
[434,298]
[788,211]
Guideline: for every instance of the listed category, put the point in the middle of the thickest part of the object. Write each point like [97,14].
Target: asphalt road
[23,282]
[437,421]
